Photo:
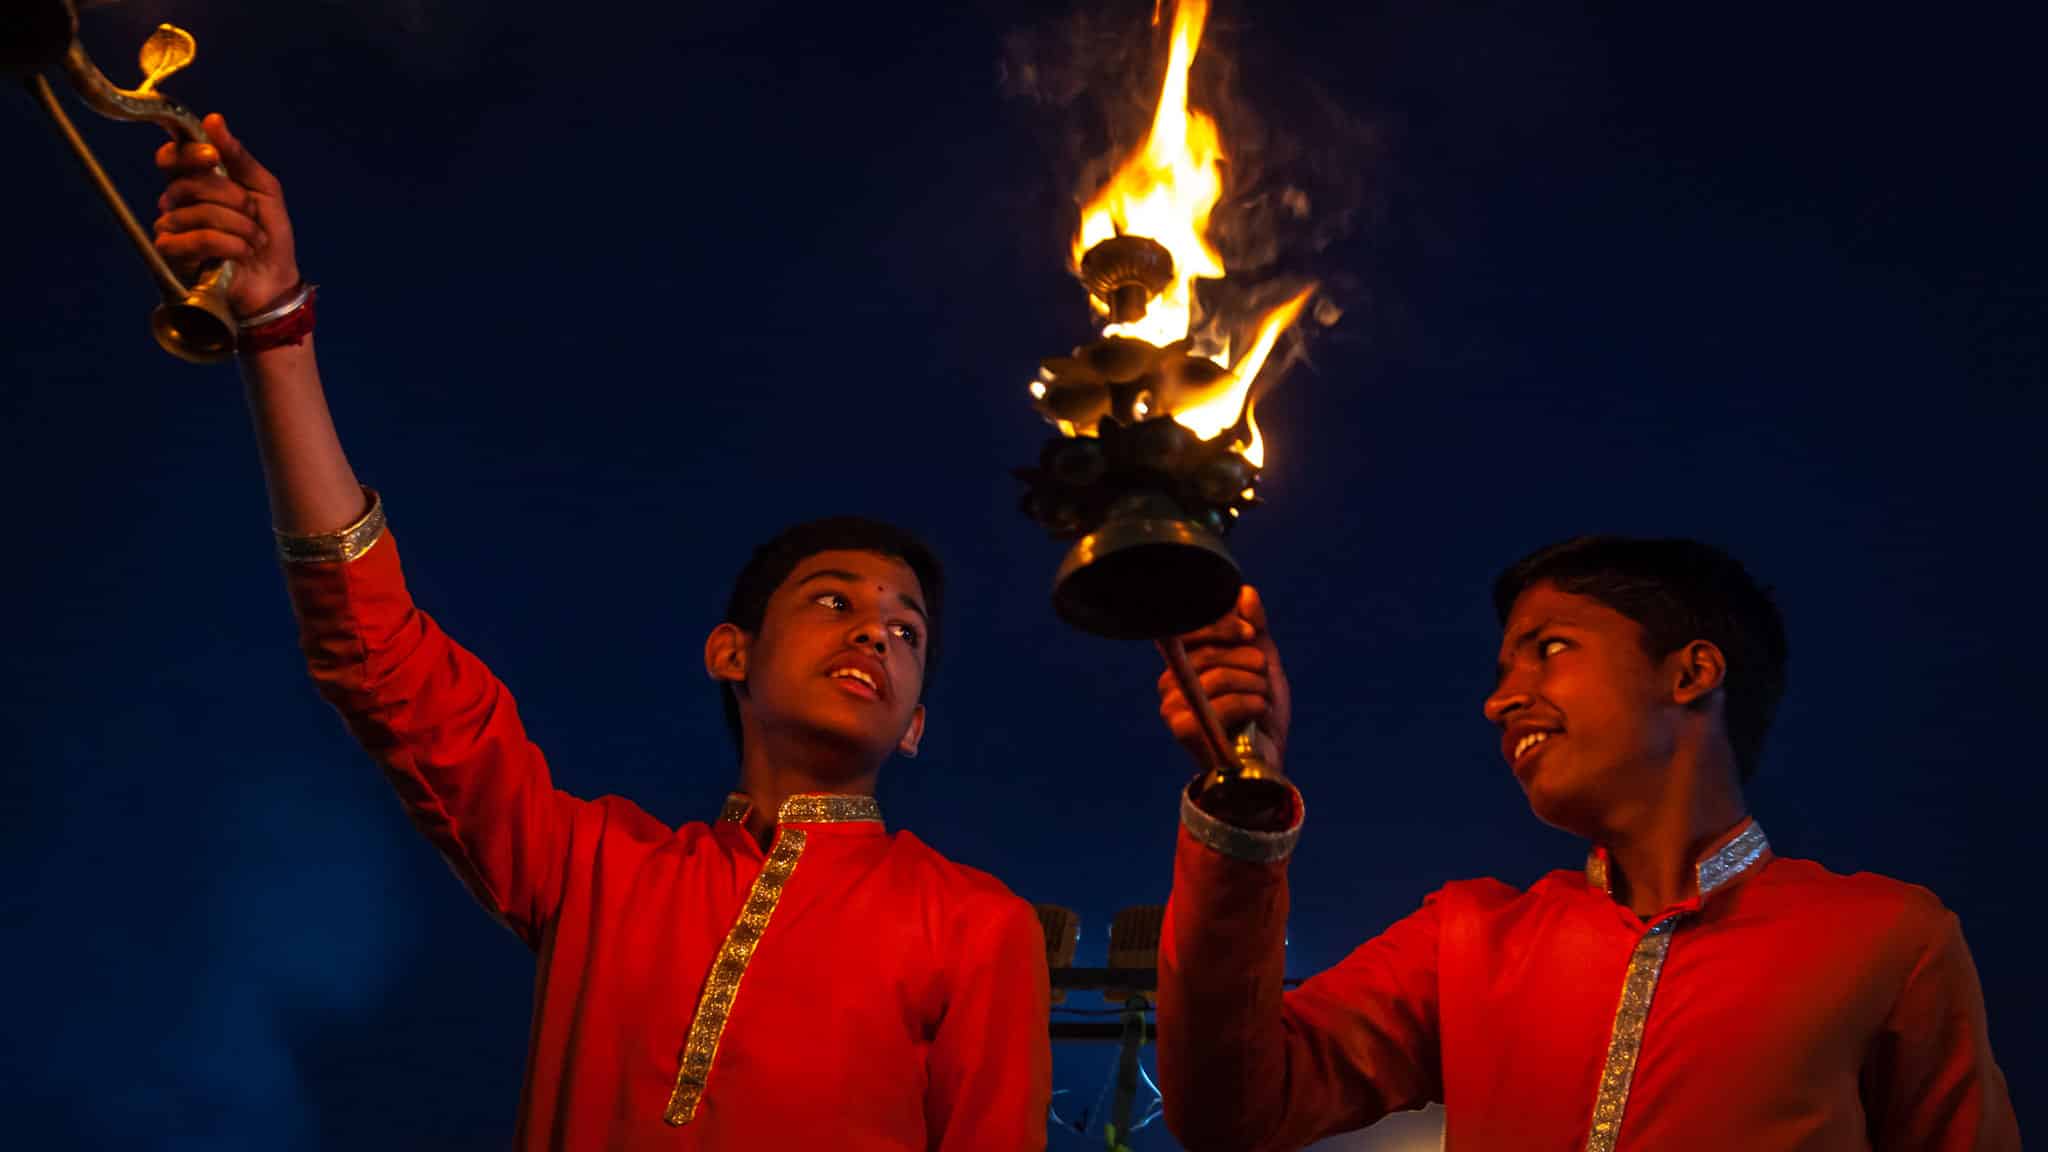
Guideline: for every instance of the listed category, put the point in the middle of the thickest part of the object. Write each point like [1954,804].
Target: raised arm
[1242,1064]
[241,216]
[442,726]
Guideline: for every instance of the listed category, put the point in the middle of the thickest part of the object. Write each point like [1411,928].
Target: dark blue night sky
[612,292]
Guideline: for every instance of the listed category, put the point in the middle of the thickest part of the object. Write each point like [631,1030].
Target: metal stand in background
[1127,1072]
[1131,982]
[1131,1029]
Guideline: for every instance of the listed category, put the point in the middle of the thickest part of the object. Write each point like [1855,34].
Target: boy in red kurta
[789,976]
[1686,989]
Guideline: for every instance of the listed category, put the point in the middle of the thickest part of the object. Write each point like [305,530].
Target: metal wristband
[292,302]
[344,545]
[1235,842]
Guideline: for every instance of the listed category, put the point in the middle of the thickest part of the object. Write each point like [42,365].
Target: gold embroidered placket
[722,986]
[724,982]
[1741,854]
[1637,990]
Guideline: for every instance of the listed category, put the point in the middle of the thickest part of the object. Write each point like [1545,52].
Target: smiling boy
[788,976]
[1685,989]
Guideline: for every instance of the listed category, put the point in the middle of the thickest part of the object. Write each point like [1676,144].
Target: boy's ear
[725,653]
[1698,669]
[912,735]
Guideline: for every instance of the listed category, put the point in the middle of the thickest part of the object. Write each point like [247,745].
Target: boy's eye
[908,633]
[833,600]
[1551,646]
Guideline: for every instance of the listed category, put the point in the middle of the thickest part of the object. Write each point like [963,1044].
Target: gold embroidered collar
[1740,855]
[809,808]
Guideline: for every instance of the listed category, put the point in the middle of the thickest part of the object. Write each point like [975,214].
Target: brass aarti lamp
[1147,503]
[1157,453]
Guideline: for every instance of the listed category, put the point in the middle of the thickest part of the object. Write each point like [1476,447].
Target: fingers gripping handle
[1222,749]
[194,321]
[1240,788]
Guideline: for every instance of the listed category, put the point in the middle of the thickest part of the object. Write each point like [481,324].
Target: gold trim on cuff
[1235,842]
[723,985]
[342,546]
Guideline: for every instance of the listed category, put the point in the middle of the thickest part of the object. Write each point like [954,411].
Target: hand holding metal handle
[1240,786]
[194,321]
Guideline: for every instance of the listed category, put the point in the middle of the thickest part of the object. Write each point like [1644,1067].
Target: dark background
[612,292]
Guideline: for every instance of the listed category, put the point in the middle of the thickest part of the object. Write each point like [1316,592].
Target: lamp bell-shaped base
[1146,579]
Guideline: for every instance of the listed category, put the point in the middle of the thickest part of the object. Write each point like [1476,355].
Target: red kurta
[1790,1008]
[848,989]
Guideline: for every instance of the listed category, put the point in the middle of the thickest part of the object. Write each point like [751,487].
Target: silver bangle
[1220,835]
[290,304]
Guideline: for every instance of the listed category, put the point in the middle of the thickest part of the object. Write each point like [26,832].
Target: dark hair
[1677,591]
[773,562]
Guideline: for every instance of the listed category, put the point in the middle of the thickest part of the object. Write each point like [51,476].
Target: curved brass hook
[193,322]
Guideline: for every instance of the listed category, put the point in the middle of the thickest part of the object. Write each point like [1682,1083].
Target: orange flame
[1214,413]
[1166,191]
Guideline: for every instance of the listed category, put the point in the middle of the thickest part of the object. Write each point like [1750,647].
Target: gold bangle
[342,546]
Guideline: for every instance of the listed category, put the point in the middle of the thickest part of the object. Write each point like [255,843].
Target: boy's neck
[772,770]
[1654,850]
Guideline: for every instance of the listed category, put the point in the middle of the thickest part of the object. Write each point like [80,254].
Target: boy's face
[1586,716]
[840,654]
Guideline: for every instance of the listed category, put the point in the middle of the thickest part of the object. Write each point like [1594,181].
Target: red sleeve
[991,1062]
[1930,1082]
[443,728]
[1244,1066]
